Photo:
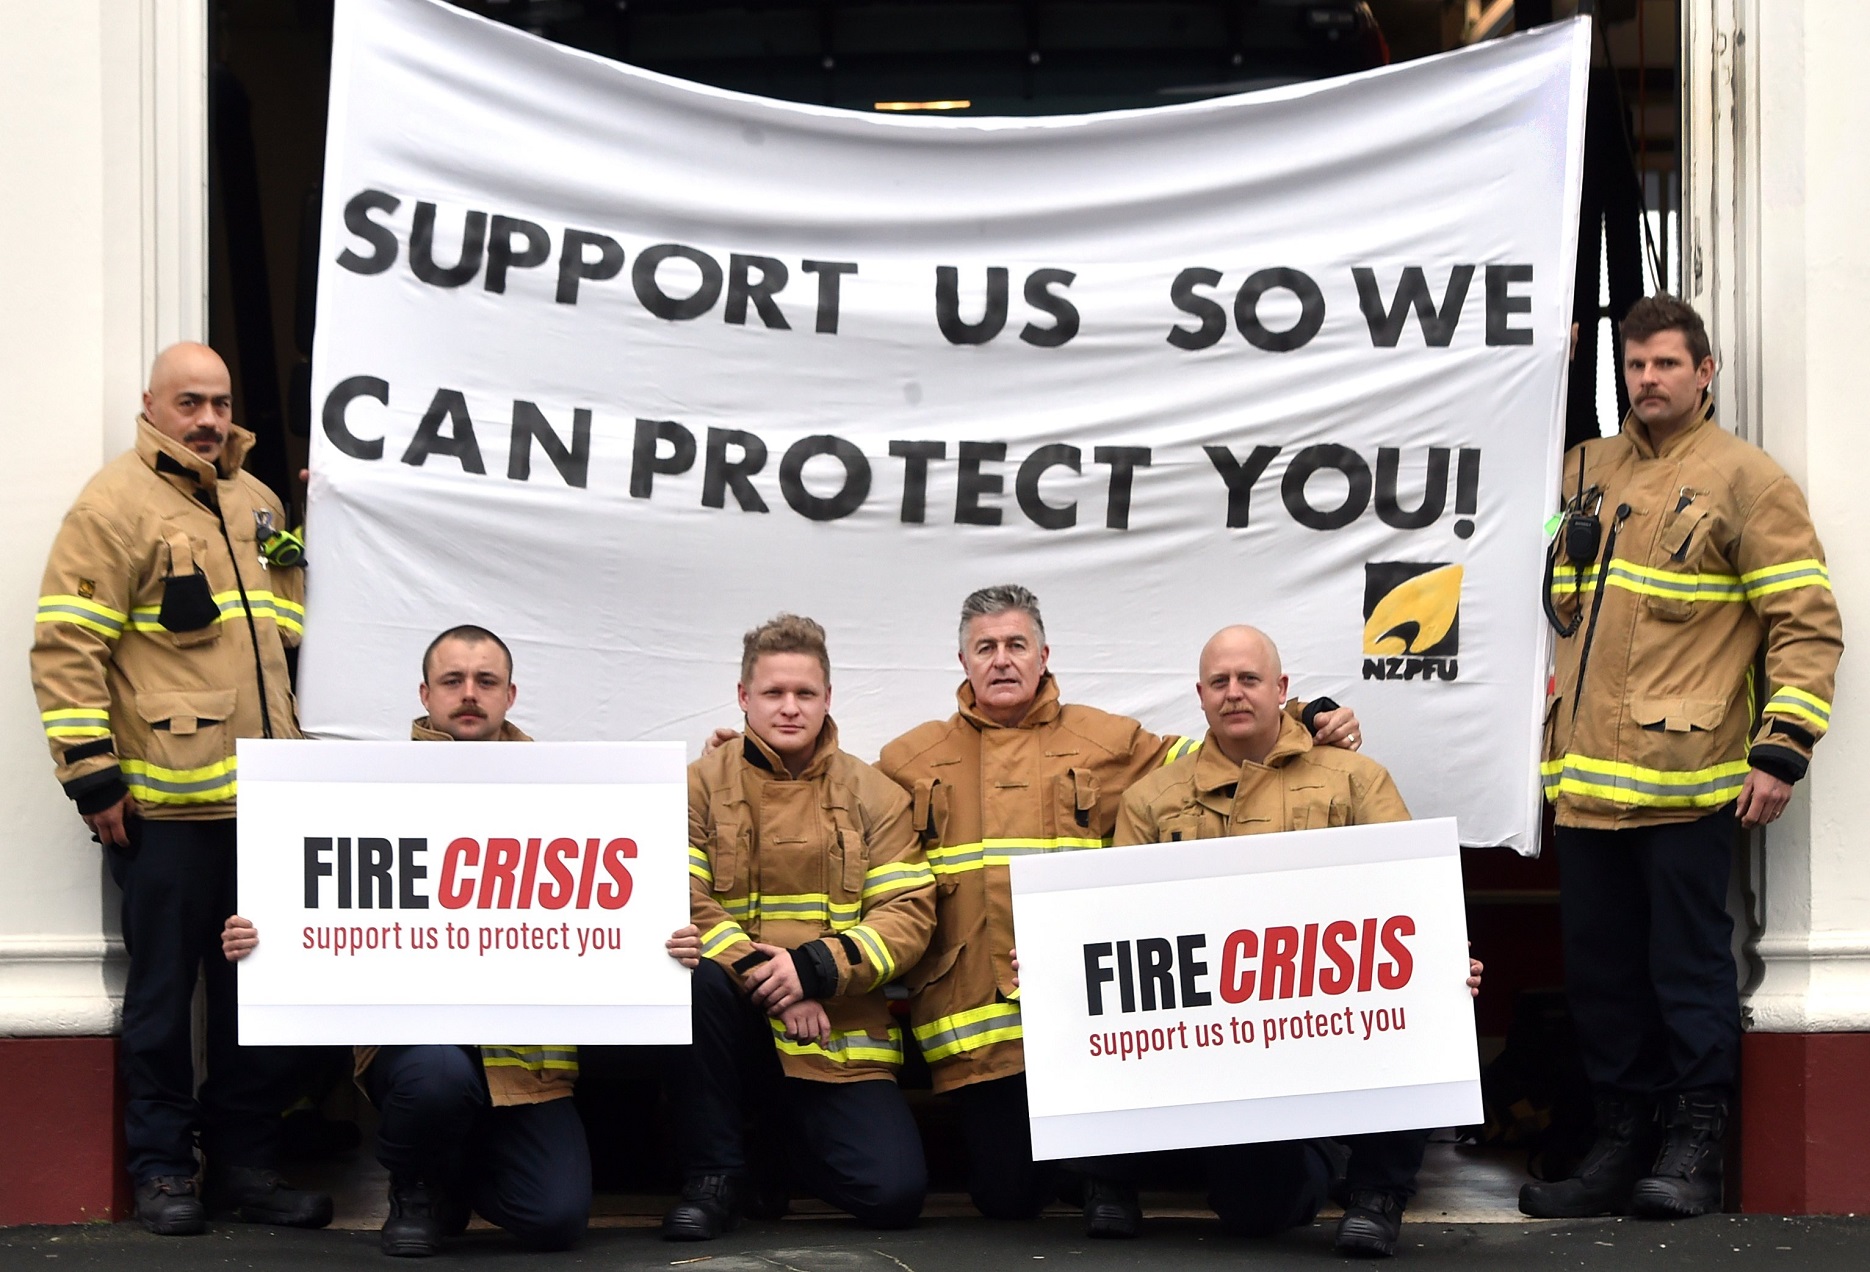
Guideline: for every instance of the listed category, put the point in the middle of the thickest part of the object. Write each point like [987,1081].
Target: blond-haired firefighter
[812,893]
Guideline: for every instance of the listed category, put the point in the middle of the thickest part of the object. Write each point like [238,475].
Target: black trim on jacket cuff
[1800,735]
[1313,709]
[95,792]
[1781,761]
[87,750]
[817,969]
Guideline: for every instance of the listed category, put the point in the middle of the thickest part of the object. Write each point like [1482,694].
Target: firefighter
[811,893]
[1258,772]
[161,638]
[1015,770]
[1684,557]
[491,1128]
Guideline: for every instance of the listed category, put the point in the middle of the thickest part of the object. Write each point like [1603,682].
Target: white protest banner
[1231,991]
[409,892]
[621,366]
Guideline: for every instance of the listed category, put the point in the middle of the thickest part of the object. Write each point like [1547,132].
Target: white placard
[622,366]
[411,892]
[1143,1030]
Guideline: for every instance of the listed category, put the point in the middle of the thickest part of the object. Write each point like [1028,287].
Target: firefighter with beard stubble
[161,639]
[1015,770]
[1685,558]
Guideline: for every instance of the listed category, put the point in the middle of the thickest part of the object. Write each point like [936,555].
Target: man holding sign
[811,893]
[488,1127]
[1014,771]
[1258,772]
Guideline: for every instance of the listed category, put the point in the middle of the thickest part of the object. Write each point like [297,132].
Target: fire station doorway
[270,63]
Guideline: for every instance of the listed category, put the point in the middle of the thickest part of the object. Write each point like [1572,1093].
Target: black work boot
[1111,1209]
[1371,1225]
[413,1229]
[255,1195]
[708,1208]
[1626,1145]
[167,1206]
[1686,1180]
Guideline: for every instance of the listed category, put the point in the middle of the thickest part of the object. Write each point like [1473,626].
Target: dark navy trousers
[525,1167]
[1649,956]
[853,1144]
[177,879]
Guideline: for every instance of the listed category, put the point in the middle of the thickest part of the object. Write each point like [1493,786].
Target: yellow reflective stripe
[82,612]
[1783,578]
[968,1030]
[1643,787]
[894,877]
[699,866]
[957,858]
[720,936]
[1807,706]
[76,722]
[874,946]
[537,1059]
[152,784]
[145,618]
[805,907]
[844,1046]
[1179,748]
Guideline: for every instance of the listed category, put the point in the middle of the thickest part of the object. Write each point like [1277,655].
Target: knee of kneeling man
[560,1230]
[893,1203]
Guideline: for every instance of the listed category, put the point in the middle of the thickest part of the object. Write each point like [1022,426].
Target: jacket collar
[183,466]
[756,753]
[1215,774]
[1044,709]
[421,731]
[1684,437]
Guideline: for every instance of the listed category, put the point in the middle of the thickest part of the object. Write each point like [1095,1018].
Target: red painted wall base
[1805,1118]
[63,1127]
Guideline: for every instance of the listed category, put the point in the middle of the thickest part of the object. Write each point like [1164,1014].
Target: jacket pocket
[1679,551]
[727,856]
[854,854]
[1678,715]
[1074,805]
[1180,826]
[191,750]
[933,967]
[939,821]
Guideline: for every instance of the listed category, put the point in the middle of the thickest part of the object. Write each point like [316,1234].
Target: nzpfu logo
[1412,620]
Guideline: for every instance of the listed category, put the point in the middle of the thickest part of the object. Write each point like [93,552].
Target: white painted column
[104,158]
[1777,191]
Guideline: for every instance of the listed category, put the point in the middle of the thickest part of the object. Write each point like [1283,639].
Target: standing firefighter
[1015,771]
[1685,557]
[161,638]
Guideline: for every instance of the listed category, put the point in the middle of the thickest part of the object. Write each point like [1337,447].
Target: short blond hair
[786,634]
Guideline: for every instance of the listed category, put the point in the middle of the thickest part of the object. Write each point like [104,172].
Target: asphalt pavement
[976,1245]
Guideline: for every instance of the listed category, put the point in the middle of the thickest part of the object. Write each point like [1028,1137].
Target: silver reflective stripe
[1636,786]
[90,616]
[960,1033]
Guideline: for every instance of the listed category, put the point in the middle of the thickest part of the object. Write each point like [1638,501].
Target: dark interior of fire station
[270,67]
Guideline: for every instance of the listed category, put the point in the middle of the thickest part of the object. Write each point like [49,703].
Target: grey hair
[1001,599]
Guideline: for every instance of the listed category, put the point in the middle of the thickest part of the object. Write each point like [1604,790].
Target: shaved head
[1241,637]
[1241,688]
[191,398]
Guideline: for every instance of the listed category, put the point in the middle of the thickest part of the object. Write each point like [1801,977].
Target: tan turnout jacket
[128,704]
[515,1075]
[1714,562]
[1300,786]
[983,794]
[828,856]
